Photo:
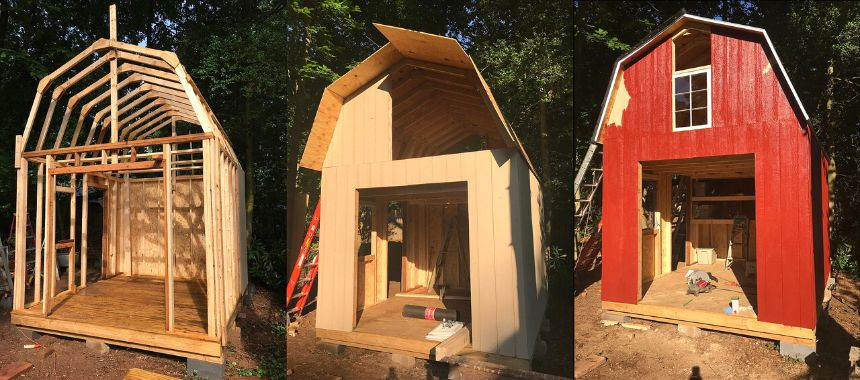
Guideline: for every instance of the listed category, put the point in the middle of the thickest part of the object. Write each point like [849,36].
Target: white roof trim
[680,20]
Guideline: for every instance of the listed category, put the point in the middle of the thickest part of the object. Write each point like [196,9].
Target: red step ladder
[301,264]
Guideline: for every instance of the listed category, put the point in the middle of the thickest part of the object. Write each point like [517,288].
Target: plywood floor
[386,318]
[132,303]
[671,290]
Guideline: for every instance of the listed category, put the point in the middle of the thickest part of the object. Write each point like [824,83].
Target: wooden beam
[21,227]
[114,96]
[73,208]
[40,213]
[168,239]
[120,145]
[148,164]
[85,211]
[50,249]
[211,327]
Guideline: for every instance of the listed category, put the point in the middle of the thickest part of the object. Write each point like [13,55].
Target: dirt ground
[258,351]
[306,360]
[662,352]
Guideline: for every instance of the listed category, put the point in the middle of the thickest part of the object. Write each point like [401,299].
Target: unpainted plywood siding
[146,232]
[423,238]
[751,114]
[363,130]
[501,244]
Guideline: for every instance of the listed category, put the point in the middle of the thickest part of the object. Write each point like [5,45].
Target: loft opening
[691,79]
[699,214]
[439,110]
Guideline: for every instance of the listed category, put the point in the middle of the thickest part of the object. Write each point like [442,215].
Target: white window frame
[691,72]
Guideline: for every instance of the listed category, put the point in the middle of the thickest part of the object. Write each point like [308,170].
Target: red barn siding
[751,114]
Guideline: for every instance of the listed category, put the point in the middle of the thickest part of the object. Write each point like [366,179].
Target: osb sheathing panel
[147,228]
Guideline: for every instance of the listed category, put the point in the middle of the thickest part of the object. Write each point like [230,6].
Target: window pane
[682,119]
[700,116]
[682,102]
[700,81]
[700,98]
[682,84]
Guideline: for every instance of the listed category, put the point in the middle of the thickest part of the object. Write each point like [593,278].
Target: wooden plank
[40,213]
[14,369]
[21,226]
[114,91]
[120,145]
[715,321]
[50,227]
[381,250]
[85,212]
[168,238]
[139,374]
[148,164]
[451,346]
[73,201]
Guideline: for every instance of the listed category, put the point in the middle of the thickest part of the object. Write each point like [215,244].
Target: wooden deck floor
[382,327]
[129,311]
[671,290]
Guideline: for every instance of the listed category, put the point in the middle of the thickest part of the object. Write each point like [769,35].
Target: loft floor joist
[125,129]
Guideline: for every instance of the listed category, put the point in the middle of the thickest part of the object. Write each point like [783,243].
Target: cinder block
[402,360]
[335,349]
[97,346]
[797,351]
[614,317]
[204,370]
[690,331]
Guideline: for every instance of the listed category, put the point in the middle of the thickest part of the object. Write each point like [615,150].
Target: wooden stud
[73,205]
[168,238]
[85,210]
[50,270]
[40,213]
[21,226]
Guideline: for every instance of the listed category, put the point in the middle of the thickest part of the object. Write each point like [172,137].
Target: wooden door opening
[704,209]
[401,234]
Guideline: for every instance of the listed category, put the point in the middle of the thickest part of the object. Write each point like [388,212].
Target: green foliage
[556,259]
[266,265]
[844,260]
[272,367]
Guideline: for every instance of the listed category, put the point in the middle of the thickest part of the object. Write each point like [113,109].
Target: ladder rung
[293,310]
[304,280]
[597,169]
[591,184]
[311,265]
[299,295]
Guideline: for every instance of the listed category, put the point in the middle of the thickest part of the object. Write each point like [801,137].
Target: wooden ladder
[586,192]
[304,272]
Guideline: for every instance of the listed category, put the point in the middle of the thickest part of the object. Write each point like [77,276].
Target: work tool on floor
[740,226]
[428,312]
[305,269]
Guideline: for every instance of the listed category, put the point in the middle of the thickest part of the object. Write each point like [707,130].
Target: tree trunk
[546,172]
[250,147]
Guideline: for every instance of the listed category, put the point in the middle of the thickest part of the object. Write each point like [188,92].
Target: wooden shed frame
[393,128]
[146,179]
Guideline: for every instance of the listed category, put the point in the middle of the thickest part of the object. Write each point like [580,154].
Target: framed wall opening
[702,217]
[401,234]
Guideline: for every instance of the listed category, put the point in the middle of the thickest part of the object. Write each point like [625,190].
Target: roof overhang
[402,44]
[667,31]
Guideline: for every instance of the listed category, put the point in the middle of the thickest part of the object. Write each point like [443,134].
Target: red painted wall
[751,114]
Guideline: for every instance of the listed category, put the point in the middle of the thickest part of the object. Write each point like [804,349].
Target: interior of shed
[401,234]
[103,257]
[699,214]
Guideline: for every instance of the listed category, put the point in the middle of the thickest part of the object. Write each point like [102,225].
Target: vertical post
[381,250]
[207,228]
[114,127]
[168,235]
[40,213]
[73,205]
[50,249]
[215,155]
[126,226]
[85,211]
[21,226]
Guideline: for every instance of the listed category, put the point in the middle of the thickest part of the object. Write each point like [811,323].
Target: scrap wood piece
[608,322]
[14,369]
[635,326]
[139,374]
[584,366]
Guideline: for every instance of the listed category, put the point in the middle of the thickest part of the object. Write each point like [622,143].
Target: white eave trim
[687,17]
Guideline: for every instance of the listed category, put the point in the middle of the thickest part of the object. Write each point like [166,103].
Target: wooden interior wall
[363,130]
[503,267]
[147,237]
[717,236]
[425,227]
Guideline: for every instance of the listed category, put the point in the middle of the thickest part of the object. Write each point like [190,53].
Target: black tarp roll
[431,313]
